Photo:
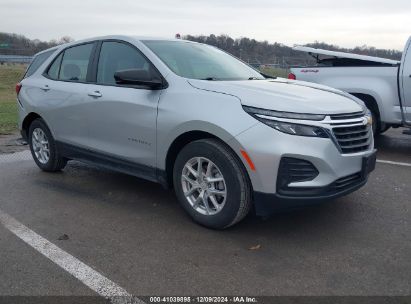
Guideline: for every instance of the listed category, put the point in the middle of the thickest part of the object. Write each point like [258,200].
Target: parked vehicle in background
[383,84]
[192,117]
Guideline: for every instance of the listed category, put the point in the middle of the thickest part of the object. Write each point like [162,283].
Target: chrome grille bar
[352,132]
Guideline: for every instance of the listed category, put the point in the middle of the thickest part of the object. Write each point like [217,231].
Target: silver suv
[192,117]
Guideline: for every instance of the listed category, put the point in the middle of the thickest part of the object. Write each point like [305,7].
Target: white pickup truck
[383,84]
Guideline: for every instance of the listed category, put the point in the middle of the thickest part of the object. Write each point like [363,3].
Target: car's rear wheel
[211,184]
[43,147]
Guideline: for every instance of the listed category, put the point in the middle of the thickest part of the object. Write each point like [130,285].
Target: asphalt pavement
[134,234]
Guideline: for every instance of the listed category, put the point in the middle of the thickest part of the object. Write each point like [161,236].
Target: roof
[119,37]
[126,37]
[311,50]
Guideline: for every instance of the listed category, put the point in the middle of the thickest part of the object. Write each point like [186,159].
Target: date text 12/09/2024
[203,299]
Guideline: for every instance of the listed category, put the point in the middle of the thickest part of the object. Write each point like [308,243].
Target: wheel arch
[27,122]
[180,142]
[380,90]
[372,104]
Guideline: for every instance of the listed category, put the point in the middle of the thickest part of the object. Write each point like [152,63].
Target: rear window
[37,62]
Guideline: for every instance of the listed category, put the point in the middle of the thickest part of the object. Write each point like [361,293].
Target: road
[134,233]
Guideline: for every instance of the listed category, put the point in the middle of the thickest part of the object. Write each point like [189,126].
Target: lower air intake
[295,170]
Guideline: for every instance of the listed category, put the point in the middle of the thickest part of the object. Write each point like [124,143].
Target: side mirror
[138,77]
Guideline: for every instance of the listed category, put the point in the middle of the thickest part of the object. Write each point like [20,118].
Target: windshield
[201,61]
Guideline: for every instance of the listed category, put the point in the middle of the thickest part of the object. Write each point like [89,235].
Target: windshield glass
[201,61]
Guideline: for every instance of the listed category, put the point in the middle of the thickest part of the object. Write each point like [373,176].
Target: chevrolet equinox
[192,117]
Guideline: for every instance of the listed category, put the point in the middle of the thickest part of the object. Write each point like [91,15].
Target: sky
[347,23]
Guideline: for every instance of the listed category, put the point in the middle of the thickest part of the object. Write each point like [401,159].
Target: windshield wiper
[254,78]
[209,78]
[268,76]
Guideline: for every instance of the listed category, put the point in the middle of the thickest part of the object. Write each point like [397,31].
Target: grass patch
[8,117]
[9,76]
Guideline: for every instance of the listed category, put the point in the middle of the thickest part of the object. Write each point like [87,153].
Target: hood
[284,95]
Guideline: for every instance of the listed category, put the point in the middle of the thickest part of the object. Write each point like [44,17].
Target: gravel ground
[12,143]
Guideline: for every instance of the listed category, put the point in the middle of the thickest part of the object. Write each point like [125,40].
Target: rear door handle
[95,94]
[45,87]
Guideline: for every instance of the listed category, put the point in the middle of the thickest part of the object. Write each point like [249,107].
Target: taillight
[18,88]
[292,76]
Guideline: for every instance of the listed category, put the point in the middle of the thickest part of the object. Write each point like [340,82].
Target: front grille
[337,187]
[353,139]
[347,116]
[346,182]
[350,132]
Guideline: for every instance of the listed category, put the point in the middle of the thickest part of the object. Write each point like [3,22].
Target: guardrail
[15,59]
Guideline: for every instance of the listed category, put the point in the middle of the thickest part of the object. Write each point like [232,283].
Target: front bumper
[338,174]
[267,203]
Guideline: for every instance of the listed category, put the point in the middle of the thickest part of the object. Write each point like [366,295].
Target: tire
[371,104]
[54,162]
[376,124]
[384,128]
[214,210]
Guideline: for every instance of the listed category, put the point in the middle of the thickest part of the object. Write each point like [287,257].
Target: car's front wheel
[211,184]
[43,147]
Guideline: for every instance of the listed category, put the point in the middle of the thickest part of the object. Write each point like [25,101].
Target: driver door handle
[45,87]
[95,94]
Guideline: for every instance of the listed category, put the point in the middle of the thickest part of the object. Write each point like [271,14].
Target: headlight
[296,129]
[289,115]
[287,127]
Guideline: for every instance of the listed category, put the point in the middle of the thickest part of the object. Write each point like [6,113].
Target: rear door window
[37,62]
[75,62]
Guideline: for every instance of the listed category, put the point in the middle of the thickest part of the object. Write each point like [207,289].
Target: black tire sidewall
[49,166]
[376,129]
[234,184]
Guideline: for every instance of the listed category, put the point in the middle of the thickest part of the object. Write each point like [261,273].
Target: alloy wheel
[204,186]
[40,145]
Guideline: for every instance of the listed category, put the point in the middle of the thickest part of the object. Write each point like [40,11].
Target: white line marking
[393,163]
[88,276]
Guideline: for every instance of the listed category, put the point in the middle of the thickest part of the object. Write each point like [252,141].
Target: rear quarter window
[54,69]
[37,62]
